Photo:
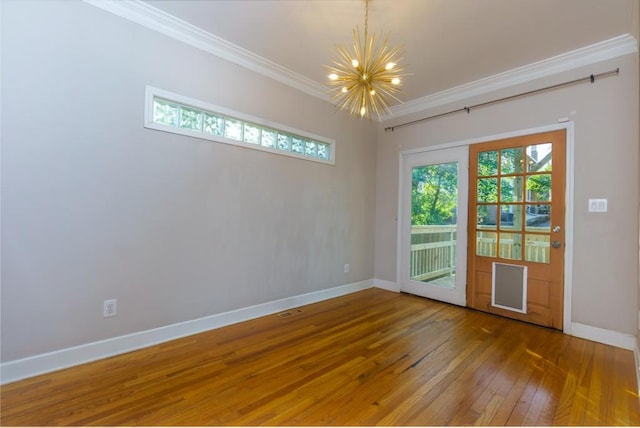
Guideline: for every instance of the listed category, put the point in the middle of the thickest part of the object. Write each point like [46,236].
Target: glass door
[433,227]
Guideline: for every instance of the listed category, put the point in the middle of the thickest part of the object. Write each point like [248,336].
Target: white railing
[433,250]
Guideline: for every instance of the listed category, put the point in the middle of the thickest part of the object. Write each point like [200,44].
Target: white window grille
[169,112]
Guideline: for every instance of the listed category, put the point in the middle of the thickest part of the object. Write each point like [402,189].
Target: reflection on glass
[486,243]
[539,157]
[511,217]
[511,160]
[251,134]
[213,124]
[486,216]
[434,209]
[190,118]
[539,188]
[487,163]
[510,246]
[269,138]
[537,248]
[538,218]
[487,190]
[511,189]
[233,129]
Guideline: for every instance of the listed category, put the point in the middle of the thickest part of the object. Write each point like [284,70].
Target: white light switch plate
[597,205]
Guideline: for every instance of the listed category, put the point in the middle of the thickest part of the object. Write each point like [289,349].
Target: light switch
[597,205]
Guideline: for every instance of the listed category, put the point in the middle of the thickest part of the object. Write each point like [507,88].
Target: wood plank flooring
[369,358]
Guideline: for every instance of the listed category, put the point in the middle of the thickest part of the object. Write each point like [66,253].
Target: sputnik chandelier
[366,79]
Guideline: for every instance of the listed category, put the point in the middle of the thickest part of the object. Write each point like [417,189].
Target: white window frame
[151,93]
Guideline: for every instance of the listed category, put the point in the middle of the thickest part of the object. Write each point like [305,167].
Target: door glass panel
[487,163]
[539,188]
[537,248]
[511,217]
[486,243]
[539,157]
[511,189]
[510,246]
[434,204]
[538,218]
[487,218]
[487,190]
[511,160]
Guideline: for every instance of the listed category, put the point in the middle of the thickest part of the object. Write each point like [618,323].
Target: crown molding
[155,19]
[607,49]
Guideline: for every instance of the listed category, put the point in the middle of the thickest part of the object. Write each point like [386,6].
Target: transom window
[181,115]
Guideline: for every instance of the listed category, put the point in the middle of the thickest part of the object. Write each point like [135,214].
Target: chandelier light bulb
[395,81]
[344,90]
[355,63]
[333,76]
[363,111]
[372,92]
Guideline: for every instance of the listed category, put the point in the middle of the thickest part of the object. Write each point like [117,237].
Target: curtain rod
[591,78]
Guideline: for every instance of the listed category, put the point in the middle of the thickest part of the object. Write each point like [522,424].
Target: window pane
[511,189]
[511,246]
[233,129]
[323,151]
[251,134]
[213,124]
[511,217]
[269,138]
[310,148]
[190,118]
[486,243]
[487,163]
[165,112]
[539,157]
[487,190]
[284,142]
[511,160]
[538,218]
[539,188]
[537,248]
[297,145]
[487,217]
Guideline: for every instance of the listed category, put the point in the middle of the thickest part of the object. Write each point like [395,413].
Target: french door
[433,224]
[516,227]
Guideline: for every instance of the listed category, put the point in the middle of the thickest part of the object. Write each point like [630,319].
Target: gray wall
[605,115]
[94,206]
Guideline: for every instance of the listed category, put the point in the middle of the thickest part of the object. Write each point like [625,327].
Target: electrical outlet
[109,308]
[346,268]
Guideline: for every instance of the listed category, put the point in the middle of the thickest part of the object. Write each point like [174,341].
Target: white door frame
[458,294]
[569,202]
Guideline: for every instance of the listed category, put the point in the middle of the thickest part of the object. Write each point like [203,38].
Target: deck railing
[433,250]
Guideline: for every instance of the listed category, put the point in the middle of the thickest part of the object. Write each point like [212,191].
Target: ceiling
[447,42]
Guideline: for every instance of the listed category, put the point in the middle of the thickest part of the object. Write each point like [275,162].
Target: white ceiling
[447,42]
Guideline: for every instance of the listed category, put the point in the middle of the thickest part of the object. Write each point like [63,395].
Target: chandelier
[366,79]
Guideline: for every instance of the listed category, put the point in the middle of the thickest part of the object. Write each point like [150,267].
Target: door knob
[556,229]
[556,244]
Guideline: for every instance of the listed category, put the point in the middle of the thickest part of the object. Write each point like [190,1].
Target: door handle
[556,244]
[556,229]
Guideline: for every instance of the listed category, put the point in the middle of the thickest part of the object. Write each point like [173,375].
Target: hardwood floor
[369,358]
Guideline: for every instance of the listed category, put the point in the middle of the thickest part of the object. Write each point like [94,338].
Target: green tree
[434,193]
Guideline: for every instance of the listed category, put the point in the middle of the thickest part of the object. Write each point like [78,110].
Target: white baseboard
[12,371]
[608,337]
[386,285]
